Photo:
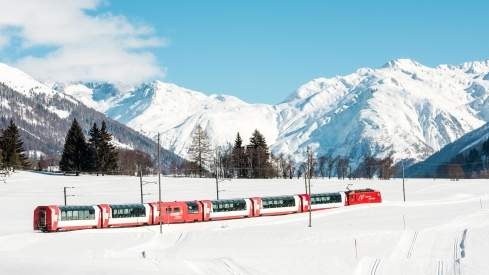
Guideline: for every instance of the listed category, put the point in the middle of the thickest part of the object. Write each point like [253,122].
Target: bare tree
[200,149]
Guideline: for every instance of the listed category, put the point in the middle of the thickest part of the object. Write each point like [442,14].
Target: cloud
[84,44]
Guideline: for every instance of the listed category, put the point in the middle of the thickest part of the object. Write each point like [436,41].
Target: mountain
[403,108]
[44,115]
[448,154]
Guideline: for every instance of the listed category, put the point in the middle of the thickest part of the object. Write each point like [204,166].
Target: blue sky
[261,51]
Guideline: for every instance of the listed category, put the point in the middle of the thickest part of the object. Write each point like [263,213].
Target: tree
[75,155]
[200,149]
[342,165]
[259,156]
[94,143]
[11,148]
[131,162]
[331,162]
[239,157]
[107,153]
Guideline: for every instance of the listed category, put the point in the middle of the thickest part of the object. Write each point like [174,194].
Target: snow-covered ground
[437,214]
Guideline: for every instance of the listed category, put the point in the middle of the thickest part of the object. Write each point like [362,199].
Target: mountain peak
[402,63]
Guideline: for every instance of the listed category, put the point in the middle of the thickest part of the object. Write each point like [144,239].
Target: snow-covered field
[437,214]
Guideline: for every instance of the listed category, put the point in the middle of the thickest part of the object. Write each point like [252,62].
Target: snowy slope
[44,115]
[22,82]
[436,215]
[403,107]
[429,166]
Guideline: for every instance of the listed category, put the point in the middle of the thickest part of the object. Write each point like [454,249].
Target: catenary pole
[140,171]
[64,192]
[403,186]
[309,172]
[159,184]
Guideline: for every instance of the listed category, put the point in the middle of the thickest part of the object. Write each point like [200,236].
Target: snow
[60,113]
[437,213]
[403,107]
[21,82]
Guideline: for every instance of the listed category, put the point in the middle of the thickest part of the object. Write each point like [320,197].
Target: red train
[62,218]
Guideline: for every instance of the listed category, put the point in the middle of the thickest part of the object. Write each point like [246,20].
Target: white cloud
[86,45]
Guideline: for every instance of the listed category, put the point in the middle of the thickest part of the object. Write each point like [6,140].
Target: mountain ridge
[404,108]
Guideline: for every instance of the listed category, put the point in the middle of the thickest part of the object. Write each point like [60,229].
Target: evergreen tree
[199,150]
[107,153]
[75,155]
[94,143]
[11,148]
[239,157]
[259,155]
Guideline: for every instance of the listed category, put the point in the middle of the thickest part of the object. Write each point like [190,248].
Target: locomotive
[52,218]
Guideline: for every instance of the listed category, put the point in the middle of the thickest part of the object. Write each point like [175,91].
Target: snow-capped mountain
[403,107]
[429,167]
[44,115]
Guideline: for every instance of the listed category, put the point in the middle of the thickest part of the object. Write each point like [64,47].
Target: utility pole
[64,192]
[403,186]
[216,169]
[159,185]
[309,172]
[140,182]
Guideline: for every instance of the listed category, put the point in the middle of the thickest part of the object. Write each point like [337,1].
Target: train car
[125,215]
[178,212]
[227,209]
[63,218]
[327,200]
[281,205]
[361,196]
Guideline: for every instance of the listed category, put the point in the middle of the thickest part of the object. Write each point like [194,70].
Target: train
[54,218]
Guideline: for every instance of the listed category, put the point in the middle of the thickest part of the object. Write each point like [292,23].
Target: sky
[260,51]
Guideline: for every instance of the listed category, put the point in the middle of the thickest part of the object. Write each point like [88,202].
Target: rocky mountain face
[44,116]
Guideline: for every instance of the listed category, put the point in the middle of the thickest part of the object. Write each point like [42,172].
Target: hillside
[44,116]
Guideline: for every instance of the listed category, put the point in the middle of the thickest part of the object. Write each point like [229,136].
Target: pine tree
[107,153]
[75,155]
[238,157]
[259,155]
[200,149]
[12,151]
[94,144]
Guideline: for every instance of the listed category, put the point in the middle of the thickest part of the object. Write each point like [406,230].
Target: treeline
[97,154]
[471,164]
[254,160]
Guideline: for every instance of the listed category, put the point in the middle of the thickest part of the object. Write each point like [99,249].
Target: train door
[42,220]
[256,205]
[207,206]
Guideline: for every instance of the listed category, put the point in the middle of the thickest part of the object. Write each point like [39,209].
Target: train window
[192,207]
[128,211]
[176,209]
[69,213]
[228,205]
[326,198]
[276,202]
[168,210]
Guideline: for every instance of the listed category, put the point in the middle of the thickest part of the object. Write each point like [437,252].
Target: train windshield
[276,202]
[228,205]
[192,207]
[325,198]
[75,213]
[128,210]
